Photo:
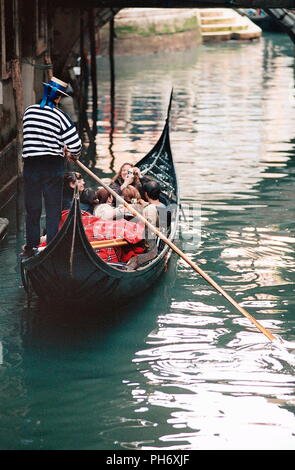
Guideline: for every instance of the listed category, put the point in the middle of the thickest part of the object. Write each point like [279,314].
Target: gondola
[69,272]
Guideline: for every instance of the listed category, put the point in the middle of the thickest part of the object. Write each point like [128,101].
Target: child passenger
[105,209]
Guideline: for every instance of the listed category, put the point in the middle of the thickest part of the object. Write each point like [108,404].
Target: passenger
[148,210]
[127,175]
[87,196]
[152,194]
[152,191]
[132,196]
[105,209]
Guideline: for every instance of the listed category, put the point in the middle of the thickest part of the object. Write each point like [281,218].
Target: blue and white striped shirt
[46,131]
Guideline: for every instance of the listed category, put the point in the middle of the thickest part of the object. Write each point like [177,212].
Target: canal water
[180,368]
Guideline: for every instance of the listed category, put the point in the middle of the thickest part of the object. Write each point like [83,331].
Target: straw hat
[58,85]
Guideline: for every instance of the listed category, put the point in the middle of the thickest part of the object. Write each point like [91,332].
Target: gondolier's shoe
[28,252]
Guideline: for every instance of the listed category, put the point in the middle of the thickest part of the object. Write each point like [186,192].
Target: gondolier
[49,135]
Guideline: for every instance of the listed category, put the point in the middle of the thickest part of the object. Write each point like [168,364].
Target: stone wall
[150,30]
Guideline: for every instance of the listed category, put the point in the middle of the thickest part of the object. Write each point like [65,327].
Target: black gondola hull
[86,279]
[68,271]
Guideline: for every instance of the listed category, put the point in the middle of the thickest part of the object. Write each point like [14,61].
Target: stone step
[221,36]
[219,19]
[222,27]
[220,33]
[226,24]
[246,34]
[206,12]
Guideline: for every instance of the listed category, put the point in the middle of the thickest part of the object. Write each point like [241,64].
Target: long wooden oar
[214,284]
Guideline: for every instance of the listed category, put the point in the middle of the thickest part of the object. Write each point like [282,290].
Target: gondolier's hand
[69,156]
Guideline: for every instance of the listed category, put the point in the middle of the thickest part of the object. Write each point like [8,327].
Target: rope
[75,197]
[38,66]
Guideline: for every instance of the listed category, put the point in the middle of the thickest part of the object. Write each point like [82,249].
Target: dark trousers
[43,176]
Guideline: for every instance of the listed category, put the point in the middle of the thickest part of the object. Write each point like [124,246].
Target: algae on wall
[150,30]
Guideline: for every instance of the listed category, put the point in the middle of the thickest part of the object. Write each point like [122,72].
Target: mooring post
[19,106]
[19,109]
[112,87]
[92,35]
[82,73]
[84,82]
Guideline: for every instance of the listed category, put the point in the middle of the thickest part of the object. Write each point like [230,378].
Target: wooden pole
[108,243]
[168,242]
[112,89]
[19,109]
[48,62]
[19,106]
[92,42]
[83,92]
[81,81]
[16,76]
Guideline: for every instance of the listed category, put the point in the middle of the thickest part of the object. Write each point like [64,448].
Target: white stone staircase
[222,24]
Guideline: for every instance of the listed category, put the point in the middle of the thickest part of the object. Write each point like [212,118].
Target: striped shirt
[46,131]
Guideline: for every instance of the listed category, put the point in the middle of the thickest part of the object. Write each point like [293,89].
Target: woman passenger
[149,211]
[127,175]
[87,196]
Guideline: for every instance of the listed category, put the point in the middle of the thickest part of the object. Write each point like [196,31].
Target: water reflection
[225,110]
[209,376]
[223,390]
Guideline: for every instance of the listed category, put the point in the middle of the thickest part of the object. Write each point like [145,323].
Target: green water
[179,368]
